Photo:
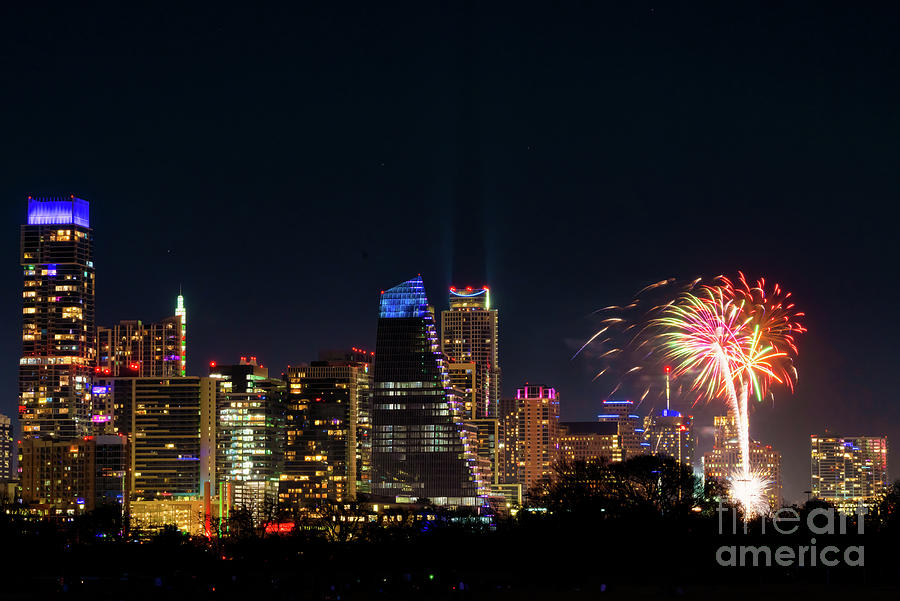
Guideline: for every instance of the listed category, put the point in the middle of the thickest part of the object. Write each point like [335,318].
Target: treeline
[646,524]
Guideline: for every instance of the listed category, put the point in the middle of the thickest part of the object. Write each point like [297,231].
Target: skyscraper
[671,434]
[591,442]
[134,348]
[630,426]
[538,434]
[470,334]
[181,312]
[323,458]
[250,412]
[170,425]
[848,471]
[419,448]
[58,345]
[723,462]
[6,450]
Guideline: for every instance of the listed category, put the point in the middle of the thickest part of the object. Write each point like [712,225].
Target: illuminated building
[181,312]
[190,516]
[463,379]
[363,414]
[67,477]
[418,448]
[7,450]
[485,437]
[630,427]
[589,442]
[136,349]
[849,471]
[538,442]
[250,411]
[170,424]
[508,446]
[58,346]
[322,458]
[724,460]
[671,434]
[469,334]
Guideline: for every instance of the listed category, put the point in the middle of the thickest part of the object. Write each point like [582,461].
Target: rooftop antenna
[668,369]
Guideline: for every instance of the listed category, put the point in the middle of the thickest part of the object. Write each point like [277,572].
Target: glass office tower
[419,448]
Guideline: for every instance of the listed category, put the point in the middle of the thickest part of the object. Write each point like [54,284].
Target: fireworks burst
[732,339]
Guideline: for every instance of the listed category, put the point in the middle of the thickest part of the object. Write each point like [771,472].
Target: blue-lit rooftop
[404,300]
[58,211]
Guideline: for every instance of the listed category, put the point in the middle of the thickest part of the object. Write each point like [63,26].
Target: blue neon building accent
[404,300]
[59,211]
[670,413]
[465,293]
[618,402]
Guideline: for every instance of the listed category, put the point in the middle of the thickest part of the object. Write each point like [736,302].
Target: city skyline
[611,148]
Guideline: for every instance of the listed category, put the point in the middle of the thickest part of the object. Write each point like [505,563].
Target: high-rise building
[7,451]
[181,312]
[463,380]
[630,426]
[724,461]
[469,335]
[250,409]
[419,449]
[64,477]
[323,455]
[170,424]
[591,442]
[538,442]
[849,471]
[132,348]
[671,434]
[508,471]
[58,345]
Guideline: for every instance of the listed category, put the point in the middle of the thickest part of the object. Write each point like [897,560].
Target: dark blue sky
[285,165]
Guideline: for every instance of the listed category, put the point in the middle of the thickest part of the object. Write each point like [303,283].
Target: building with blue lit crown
[420,448]
[58,331]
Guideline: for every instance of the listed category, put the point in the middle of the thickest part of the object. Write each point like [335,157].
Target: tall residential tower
[469,335]
[58,335]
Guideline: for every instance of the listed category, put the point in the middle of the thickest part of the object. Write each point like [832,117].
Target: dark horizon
[284,166]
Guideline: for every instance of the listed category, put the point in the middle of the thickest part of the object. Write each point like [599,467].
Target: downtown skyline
[587,176]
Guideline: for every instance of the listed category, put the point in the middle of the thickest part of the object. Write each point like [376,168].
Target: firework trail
[732,339]
[739,340]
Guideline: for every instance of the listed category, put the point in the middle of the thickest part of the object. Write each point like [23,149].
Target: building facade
[170,426]
[58,330]
[418,449]
[630,426]
[538,434]
[7,449]
[848,471]
[136,349]
[470,335]
[671,434]
[323,456]
[73,476]
[724,461]
[250,415]
[590,442]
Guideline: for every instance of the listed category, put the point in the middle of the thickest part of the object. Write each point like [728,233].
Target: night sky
[285,165]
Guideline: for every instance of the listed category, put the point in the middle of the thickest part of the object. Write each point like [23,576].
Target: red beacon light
[212,363]
[468,289]
[452,288]
[668,368]
[134,366]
